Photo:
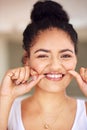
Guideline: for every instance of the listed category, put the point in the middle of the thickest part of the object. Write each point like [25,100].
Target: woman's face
[53,55]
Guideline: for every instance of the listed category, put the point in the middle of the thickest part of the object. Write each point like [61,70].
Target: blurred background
[15,15]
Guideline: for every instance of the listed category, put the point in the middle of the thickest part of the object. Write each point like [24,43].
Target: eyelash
[66,56]
[42,56]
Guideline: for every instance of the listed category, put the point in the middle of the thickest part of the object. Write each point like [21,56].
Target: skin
[52,54]
[49,58]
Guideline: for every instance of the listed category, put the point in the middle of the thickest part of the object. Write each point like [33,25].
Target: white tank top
[15,120]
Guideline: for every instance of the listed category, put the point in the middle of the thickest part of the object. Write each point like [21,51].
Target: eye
[42,56]
[66,56]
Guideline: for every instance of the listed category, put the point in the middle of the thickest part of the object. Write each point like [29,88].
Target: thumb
[34,80]
[26,87]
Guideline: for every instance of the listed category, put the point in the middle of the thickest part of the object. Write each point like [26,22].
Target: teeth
[54,75]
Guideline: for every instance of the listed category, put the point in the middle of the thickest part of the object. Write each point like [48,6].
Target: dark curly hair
[45,15]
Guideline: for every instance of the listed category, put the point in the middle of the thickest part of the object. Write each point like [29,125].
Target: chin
[54,86]
[51,88]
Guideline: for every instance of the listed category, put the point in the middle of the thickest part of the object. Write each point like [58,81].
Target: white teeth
[54,75]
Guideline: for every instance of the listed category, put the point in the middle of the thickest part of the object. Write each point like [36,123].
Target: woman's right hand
[16,82]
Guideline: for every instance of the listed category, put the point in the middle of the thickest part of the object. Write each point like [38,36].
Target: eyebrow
[45,50]
[64,50]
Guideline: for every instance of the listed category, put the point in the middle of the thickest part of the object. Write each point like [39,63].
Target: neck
[49,102]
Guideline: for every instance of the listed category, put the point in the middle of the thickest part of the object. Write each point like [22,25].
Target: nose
[55,64]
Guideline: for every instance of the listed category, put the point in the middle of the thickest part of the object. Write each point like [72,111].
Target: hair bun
[48,9]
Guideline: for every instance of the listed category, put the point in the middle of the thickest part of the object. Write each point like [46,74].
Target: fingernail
[10,74]
[17,82]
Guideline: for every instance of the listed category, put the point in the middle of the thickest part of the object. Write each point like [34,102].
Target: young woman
[50,59]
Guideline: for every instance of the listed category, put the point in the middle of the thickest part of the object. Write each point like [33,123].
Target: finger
[83,73]
[12,74]
[21,76]
[7,78]
[16,73]
[76,76]
[27,74]
[35,80]
[81,83]
[33,71]
[24,88]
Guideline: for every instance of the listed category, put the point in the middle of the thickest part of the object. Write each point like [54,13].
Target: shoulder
[15,108]
[14,120]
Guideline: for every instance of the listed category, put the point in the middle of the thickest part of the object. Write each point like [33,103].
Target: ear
[25,59]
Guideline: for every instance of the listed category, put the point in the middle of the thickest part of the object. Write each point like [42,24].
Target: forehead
[53,39]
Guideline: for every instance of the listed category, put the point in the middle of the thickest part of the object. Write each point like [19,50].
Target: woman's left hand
[81,79]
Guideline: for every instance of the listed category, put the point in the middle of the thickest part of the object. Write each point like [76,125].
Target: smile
[54,76]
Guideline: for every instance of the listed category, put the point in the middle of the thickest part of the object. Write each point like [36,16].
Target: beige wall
[4,64]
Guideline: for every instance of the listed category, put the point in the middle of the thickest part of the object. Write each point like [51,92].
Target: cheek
[38,67]
[70,65]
